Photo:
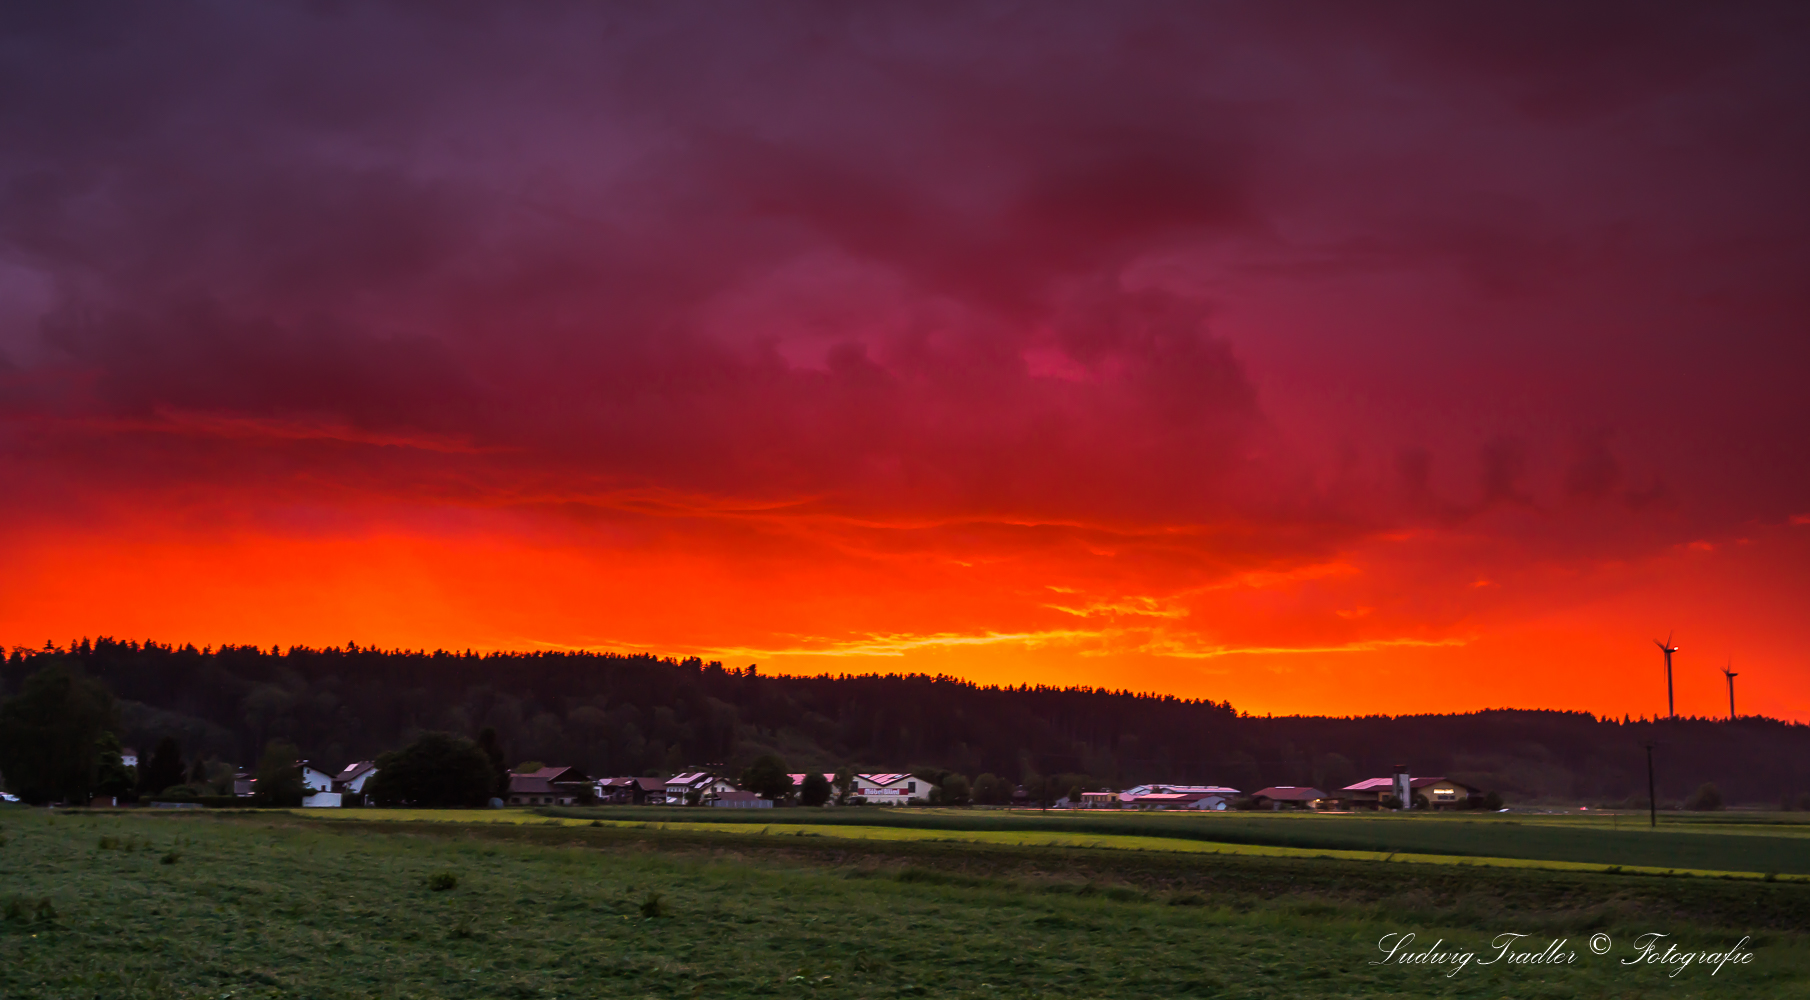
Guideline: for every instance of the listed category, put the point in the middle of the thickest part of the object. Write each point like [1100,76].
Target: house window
[911,786]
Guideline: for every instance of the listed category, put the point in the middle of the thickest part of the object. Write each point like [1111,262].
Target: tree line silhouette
[611,713]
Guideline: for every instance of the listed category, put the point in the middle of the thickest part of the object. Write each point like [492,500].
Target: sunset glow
[1323,367]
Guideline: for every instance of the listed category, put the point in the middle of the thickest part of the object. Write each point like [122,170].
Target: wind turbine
[1731,675]
[1668,649]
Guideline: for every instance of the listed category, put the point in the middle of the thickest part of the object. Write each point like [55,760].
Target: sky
[1322,359]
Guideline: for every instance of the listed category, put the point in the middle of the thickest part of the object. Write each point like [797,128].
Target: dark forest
[614,714]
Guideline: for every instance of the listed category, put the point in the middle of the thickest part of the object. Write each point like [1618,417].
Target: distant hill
[637,714]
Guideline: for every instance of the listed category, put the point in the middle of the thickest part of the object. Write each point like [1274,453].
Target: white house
[352,780]
[890,789]
[318,785]
[706,785]
[314,779]
[128,757]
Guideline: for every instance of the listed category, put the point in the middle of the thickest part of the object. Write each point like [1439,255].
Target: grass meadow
[366,905]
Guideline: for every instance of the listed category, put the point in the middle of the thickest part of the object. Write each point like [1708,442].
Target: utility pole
[1652,798]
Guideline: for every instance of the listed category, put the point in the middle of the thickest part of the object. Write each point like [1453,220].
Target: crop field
[374,904]
[1751,848]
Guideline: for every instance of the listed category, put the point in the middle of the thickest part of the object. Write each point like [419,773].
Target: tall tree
[438,770]
[163,770]
[111,775]
[279,776]
[845,784]
[50,735]
[767,777]
[493,750]
[816,789]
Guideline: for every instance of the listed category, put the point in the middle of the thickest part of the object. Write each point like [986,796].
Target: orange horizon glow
[1373,631]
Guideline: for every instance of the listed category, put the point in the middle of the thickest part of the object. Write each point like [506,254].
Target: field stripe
[1020,838]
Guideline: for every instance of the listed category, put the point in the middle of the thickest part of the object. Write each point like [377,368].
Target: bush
[1707,798]
[1492,801]
[992,790]
[955,790]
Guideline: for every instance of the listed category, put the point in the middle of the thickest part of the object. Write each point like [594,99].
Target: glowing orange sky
[1325,365]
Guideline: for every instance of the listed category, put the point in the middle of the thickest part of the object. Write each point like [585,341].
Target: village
[325,787]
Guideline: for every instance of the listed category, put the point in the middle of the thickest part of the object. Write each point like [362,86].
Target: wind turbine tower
[1731,675]
[1668,649]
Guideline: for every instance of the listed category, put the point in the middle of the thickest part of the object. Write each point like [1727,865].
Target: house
[351,781]
[740,800]
[1291,797]
[322,800]
[550,786]
[1212,798]
[1101,800]
[1166,801]
[128,756]
[1440,793]
[313,778]
[695,787]
[889,789]
[632,791]
[244,783]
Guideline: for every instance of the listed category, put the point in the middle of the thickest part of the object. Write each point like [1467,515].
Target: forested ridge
[613,713]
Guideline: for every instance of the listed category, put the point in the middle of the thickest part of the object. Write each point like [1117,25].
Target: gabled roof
[353,770]
[1289,793]
[690,778]
[798,779]
[883,779]
[562,775]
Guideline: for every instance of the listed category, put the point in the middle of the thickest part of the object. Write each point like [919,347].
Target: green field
[366,904]
[1733,845]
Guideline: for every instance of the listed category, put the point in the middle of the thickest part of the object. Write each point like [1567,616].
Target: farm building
[1291,797]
